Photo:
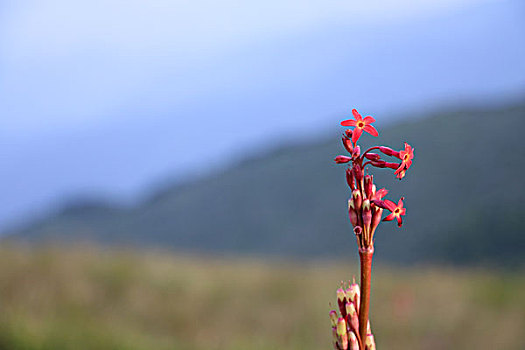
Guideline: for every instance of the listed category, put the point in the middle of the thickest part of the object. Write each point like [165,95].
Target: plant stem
[365,256]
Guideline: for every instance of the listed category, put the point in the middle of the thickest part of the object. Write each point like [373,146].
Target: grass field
[90,298]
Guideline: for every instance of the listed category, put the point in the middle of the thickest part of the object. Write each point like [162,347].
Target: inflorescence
[366,204]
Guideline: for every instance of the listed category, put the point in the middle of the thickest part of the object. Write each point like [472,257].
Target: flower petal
[401,174]
[381,193]
[357,134]
[399,221]
[389,217]
[371,130]
[349,122]
[369,120]
[356,114]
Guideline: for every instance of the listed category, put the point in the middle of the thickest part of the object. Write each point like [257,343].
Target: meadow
[87,297]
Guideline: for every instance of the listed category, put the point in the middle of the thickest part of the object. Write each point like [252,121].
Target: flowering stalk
[365,209]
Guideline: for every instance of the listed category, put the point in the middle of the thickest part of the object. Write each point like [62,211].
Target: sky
[110,97]
[57,53]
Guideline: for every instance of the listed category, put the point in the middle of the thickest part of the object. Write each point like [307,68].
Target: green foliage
[91,298]
[463,198]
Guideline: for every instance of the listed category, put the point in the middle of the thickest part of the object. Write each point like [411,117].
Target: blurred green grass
[86,297]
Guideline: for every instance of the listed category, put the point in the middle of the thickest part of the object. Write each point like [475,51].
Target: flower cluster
[345,324]
[366,204]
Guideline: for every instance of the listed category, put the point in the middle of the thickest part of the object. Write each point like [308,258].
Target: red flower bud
[369,185]
[347,143]
[352,319]
[352,213]
[357,199]
[341,326]
[370,343]
[342,159]
[389,152]
[376,218]
[356,152]
[367,214]
[341,301]
[354,295]
[372,156]
[352,339]
[348,133]
[350,179]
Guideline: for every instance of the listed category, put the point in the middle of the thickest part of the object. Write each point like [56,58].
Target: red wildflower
[396,211]
[342,159]
[360,125]
[406,157]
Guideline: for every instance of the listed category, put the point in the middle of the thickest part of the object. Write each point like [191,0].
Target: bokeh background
[167,172]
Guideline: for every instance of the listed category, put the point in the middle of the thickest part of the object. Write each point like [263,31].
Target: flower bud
[348,133]
[341,326]
[352,213]
[341,301]
[354,295]
[342,159]
[350,179]
[372,156]
[389,151]
[367,214]
[356,152]
[376,218]
[352,340]
[369,182]
[342,334]
[333,318]
[341,295]
[343,342]
[370,343]
[357,199]
[347,143]
[350,309]
[352,318]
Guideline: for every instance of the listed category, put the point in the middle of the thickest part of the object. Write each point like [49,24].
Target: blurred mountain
[110,117]
[463,196]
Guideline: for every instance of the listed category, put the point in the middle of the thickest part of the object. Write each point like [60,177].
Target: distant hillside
[464,197]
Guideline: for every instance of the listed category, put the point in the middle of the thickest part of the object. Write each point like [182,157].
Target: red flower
[342,159]
[396,211]
[360,125]
[406,157]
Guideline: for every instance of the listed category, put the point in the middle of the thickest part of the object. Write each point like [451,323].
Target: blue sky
[108,97]
[79,61]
